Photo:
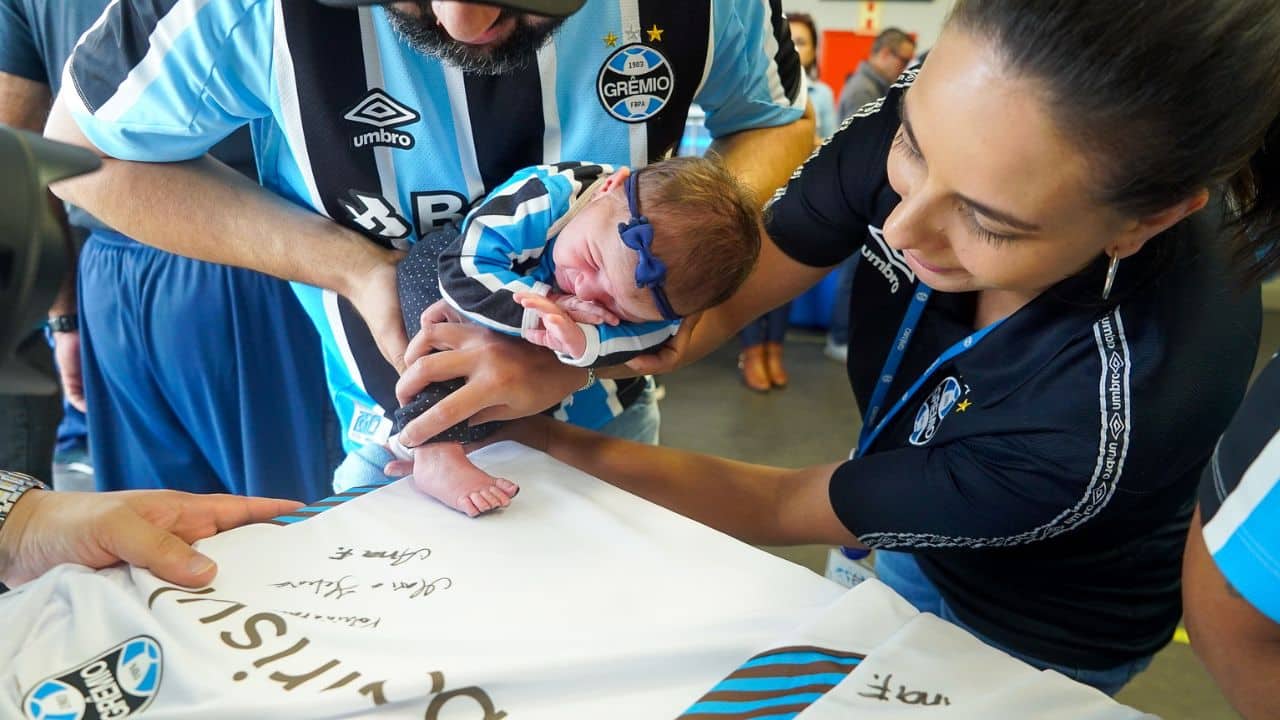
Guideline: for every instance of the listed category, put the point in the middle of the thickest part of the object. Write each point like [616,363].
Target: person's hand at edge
[150,529]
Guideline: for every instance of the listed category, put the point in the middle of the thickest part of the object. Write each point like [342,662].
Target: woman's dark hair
[1167,97]
[807,20]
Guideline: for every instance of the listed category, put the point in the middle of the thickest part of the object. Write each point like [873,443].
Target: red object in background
[842,50]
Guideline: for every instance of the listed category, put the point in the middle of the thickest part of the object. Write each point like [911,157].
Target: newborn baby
[597,264]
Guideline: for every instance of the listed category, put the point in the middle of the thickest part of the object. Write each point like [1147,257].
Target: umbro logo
[888,262]
[383,112]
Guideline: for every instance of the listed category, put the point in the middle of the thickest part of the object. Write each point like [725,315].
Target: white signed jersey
[578,601]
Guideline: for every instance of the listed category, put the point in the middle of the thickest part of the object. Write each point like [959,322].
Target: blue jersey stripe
[746,706]
[763,684]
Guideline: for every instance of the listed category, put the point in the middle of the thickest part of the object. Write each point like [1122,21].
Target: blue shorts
[200,377]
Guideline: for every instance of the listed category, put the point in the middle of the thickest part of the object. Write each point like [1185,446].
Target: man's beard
[513,53]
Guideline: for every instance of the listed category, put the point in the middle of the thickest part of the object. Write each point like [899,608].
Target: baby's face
[593,264]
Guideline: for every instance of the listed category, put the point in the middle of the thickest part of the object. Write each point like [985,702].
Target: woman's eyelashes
[971,219]
[904,145]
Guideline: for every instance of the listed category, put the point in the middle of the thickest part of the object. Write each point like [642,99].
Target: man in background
[890,54]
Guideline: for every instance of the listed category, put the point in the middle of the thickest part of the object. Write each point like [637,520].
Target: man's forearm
[204,210]
[764,158]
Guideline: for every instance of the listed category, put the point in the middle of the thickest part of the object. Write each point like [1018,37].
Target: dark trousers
[770,327]
[29,423]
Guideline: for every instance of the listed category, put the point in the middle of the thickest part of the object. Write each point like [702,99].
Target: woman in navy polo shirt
[1050,338]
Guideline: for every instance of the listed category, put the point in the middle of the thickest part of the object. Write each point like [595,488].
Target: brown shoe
[773,363]
[752,366]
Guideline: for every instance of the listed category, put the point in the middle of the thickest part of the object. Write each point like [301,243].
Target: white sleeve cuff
[592,353]
[530,320]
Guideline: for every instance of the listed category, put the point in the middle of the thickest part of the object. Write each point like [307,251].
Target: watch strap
[64,323]
[13,485]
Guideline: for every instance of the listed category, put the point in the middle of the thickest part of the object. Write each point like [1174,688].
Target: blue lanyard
[871,429]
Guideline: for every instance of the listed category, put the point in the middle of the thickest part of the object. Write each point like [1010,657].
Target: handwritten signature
[396,557]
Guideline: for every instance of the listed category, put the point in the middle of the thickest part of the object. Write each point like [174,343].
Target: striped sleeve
[503,238]
[165,80]
[755,79]
[1240,497]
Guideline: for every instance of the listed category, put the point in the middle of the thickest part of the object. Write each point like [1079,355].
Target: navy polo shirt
[1044,479]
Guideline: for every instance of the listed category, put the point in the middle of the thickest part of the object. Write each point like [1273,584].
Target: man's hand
[150,529]
[507,378]
[66,350]
[376,298]
[559,330]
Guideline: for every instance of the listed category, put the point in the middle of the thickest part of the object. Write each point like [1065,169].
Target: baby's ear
[615,181]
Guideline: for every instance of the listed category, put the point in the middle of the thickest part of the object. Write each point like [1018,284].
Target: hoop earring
[1111,276]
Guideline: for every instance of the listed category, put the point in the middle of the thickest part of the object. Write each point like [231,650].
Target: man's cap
[553,8]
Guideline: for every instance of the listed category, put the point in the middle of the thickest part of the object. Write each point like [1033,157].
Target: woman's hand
[507,378]
[670,355]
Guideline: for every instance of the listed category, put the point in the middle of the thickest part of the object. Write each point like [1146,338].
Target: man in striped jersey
[387,123]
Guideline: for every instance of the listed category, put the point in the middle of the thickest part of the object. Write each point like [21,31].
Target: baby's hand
[559,331]
[584,311]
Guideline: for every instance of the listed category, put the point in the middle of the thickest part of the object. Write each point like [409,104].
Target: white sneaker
[839,353]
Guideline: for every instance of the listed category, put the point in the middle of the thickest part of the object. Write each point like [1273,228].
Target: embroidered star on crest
[655,33]
[963,405]
[610,40]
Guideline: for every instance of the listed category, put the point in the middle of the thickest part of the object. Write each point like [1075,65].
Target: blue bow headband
[637,234]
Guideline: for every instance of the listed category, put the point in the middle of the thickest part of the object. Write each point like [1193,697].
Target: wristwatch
[64,323]
[12,487]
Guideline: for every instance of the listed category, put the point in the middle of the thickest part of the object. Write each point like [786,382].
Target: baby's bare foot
[443,471]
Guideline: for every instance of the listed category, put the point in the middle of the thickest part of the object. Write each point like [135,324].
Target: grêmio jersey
[1044,479]
[350,121]
[381,603]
